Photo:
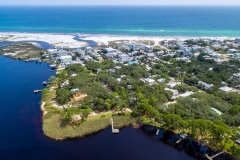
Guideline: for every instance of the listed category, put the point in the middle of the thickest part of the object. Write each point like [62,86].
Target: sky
[120,2]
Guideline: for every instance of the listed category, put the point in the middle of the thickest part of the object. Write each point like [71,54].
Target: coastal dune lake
[21,125]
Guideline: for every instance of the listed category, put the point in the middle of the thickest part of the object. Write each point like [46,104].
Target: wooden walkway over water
[115,131]
[211,158]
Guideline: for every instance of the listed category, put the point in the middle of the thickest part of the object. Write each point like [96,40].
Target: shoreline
[68,38]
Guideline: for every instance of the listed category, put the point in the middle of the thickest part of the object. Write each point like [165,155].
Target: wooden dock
[114,131]
[157,132]
[36,91]
[211,158]
[183,136]
[179,140]
[45,83]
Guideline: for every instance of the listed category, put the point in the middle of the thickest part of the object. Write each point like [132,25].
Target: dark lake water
[21,125]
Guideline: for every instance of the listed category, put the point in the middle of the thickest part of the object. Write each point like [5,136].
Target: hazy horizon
[122,3]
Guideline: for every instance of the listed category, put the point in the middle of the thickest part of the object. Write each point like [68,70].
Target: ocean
[123,20]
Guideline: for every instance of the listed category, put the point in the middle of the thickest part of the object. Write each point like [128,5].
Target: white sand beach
[54,39]
[106,38]
[67,39]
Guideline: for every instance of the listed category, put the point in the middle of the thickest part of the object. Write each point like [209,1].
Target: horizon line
[143,5]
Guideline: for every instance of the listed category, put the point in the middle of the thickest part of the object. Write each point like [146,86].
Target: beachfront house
[124,49]
[118,44]
[123,57]
[132,46]
[146,48]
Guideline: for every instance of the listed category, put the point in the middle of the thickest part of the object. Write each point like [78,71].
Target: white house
[232,51]
[196,48]
[174,91]
[146,48]
[185,59]
[149,81]
[236,76]
[186,94]
[161,80]
[51,51]
[204,85]
[65,59]
[173,84]
[226,89]
[208,51]
[110,50]
[75,90]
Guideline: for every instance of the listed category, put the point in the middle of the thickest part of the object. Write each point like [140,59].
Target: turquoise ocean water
[123,20]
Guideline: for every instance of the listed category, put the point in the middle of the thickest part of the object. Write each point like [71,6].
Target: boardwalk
[114,130]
